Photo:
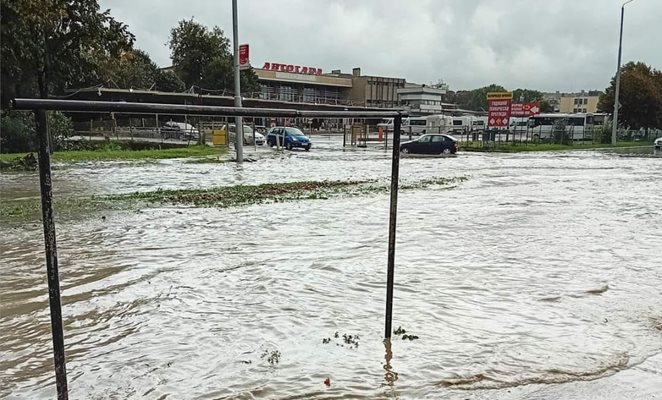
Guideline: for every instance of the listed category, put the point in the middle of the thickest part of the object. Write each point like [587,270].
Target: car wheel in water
[289,146]
[446,151]
[307,148]
[404,151]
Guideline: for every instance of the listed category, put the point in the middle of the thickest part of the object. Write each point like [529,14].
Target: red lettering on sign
[498,114]
[292,68]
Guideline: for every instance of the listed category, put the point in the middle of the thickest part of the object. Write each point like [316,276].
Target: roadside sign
[525,109]
[244,62]
[498,109]
[499,95]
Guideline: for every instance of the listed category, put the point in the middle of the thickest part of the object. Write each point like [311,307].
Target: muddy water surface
[539,277]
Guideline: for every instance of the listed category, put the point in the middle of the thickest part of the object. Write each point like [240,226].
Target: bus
[577,126]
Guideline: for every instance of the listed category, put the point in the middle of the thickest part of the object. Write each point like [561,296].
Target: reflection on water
[541,268]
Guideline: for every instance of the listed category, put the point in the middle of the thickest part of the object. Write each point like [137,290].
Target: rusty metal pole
[395,174]
[51,255]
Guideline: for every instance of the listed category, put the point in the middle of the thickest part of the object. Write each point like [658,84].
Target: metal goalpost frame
[40,106]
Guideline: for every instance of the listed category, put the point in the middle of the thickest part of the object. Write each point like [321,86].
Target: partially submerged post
[50,245]
[393,213]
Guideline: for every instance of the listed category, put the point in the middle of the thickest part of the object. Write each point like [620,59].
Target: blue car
[293,138]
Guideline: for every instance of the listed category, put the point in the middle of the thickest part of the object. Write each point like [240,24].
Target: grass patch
[111,152]
[226,196]
[527,147]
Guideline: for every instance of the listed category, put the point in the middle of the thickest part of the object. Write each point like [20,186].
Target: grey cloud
[549,45]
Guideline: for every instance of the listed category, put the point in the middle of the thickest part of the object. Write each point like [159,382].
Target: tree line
[640,97]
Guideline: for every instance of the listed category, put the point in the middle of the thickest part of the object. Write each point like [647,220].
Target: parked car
[181,130]
[248,135]
[261,128]
[658,143]
[293,138]
[431,144]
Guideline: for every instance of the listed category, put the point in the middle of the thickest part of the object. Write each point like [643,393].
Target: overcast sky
[550,45]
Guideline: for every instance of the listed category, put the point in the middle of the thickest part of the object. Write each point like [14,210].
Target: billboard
[525,109]
[498,109]
[244,62]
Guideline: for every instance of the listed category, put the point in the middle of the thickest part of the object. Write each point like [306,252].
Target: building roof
[152,96]
[306,79]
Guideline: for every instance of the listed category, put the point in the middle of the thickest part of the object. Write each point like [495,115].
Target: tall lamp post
[614,127]
[239,126]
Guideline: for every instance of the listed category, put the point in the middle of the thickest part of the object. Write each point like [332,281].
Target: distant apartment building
[422,99]
[582,102]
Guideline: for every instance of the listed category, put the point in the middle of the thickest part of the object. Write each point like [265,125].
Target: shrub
[18,133]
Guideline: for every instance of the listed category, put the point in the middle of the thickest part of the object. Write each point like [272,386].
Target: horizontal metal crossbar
[156,108]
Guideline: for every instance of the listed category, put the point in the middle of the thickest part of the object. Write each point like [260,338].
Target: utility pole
[239,136]
[614,127]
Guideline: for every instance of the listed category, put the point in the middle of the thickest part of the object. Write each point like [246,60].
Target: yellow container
[219,137]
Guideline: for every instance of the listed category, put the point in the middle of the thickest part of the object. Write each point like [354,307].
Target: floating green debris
[226,196]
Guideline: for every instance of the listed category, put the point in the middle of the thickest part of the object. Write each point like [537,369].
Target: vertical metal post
[254,142]
[239,137]
[344,135]
[614,127]
[51,256]
[158,128]
[386,139]
[395,174]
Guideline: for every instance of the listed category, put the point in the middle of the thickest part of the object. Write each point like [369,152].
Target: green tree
[526,95]
[203,58]
[135,70]
[476,99]
[49,45]
[168,81]
[640,96]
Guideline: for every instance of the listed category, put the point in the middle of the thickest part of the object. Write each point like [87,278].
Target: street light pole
[239,127]
[614,127]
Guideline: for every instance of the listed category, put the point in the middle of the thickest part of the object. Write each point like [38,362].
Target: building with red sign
[307,84]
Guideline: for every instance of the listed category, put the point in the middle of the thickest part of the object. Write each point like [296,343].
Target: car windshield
[295,133]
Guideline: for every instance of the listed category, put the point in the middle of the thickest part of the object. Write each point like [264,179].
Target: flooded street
[539,277]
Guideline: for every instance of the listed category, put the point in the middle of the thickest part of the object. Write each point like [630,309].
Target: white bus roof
[561,115]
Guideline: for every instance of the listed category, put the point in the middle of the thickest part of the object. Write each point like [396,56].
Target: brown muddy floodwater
[540,277]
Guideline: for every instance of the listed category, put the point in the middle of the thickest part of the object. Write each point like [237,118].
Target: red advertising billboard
[498,109]
[525,109]
[243,56]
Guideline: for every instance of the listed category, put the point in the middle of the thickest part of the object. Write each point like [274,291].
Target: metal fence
[40,106]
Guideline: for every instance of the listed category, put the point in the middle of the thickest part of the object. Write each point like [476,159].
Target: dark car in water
[293,138]
[431,144]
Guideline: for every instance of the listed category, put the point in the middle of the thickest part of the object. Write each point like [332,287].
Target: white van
[469,124]
[417,125]
[439,123]
[414,126]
